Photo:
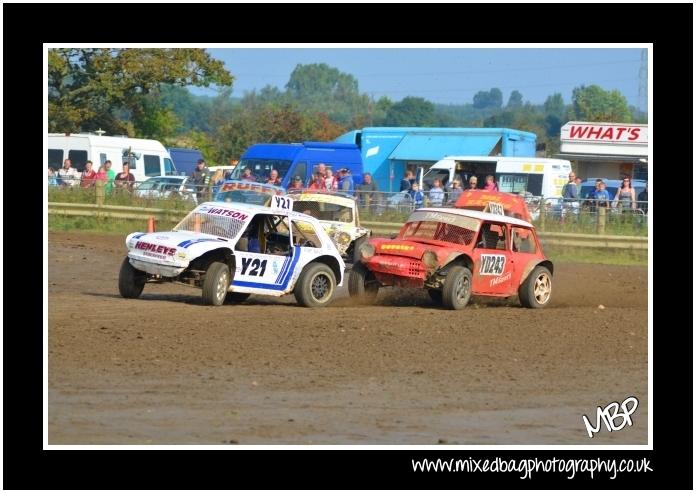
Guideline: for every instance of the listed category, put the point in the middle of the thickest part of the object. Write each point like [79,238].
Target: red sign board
[599,132]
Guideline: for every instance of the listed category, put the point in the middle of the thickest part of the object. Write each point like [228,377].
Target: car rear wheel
[362,285]
[535,291]
[316,286]
[131,281]
[457,288]
[216,283]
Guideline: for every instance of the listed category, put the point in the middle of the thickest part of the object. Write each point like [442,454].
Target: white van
[146,157]
[530,175]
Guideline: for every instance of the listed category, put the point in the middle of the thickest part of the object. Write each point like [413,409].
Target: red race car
[454,253]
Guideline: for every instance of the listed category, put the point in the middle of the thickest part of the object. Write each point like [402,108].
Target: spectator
[100,183]
[217,179]
[601,196]
[436,195]
[52,178]
[273,178]
[88,176]
[345,181]
[591,202]
[247,176]
[321,170]
[417,196]
[296,185]
[578,183]
[110,177]
[570,194]
[473,183]
[318,182]
[643,199]
[626,196]
[367,190]
[200,178]
[330,180]
[455,192]
[407,181]
[491,185]
[125,179]
[67,174]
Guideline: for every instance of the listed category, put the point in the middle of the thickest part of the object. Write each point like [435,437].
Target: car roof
[256,209]
[336,198]
[264,185]
[484,216]
[612,183]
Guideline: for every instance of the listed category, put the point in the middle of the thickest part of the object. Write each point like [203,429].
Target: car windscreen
[244,197]
[324,211]
[211,223]
[261,168]
[439,226]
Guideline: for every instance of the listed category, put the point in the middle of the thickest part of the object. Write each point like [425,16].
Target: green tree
[113,88]
[411,112]
[594,104]
[515,100]
[320,88]
[488,99]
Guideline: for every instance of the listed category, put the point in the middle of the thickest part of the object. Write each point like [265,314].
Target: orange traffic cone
[151,225]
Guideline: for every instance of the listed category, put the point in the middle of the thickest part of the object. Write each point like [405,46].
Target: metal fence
[584,216]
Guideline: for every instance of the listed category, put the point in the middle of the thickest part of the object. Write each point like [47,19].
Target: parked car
[159,187]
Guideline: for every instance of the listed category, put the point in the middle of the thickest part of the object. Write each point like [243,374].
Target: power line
[467,72]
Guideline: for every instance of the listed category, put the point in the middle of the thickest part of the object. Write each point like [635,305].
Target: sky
[445,75]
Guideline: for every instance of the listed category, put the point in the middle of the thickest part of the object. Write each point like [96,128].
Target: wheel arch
[459,259]
[332,263]
[224,254]
[531,265]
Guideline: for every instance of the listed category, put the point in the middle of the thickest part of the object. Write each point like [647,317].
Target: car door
[494,263]
[264,255]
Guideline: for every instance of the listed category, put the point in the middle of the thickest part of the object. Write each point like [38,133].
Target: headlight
[342,238]
[429,258]
[367,251]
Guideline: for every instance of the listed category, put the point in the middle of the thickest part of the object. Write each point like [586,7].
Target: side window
[301,170]
[491,236]
[523,240]
[267,234]
[102,158]
[55,158]
[169,168]
[78,159]
[152,165]
[305,235]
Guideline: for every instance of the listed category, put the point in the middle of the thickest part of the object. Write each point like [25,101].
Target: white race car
[234,250]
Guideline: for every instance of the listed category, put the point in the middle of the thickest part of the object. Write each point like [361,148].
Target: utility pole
[643,81]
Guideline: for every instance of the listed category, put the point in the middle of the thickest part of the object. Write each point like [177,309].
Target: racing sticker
[253,267]
[492,265]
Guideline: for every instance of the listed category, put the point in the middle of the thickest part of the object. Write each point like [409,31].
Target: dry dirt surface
[164,369]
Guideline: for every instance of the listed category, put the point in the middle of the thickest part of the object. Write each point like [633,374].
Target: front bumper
[391,270]
[156,269]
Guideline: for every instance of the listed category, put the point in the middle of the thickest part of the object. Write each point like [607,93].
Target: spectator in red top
[318,182]
[296,185]
[490,185]
[330,180]
[101,175]
[125,179]
[273,178]
[88,176]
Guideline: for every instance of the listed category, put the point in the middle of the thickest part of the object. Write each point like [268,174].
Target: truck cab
[292,160]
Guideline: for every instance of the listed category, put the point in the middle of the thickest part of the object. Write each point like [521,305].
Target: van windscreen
[261,168]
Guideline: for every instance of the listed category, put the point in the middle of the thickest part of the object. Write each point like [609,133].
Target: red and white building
[606,150]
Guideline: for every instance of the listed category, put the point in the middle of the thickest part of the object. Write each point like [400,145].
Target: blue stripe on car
[273,287]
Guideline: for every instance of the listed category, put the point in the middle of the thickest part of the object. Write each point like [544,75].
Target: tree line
[143,93]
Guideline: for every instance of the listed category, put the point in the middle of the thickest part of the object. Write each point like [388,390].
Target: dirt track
[165,369]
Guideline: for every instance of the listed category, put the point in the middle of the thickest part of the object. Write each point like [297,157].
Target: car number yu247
[254,266]
[492,265]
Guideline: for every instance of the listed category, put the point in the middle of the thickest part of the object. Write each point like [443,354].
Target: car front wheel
[131,281]
[216,283]
[362,285]
[457,288]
